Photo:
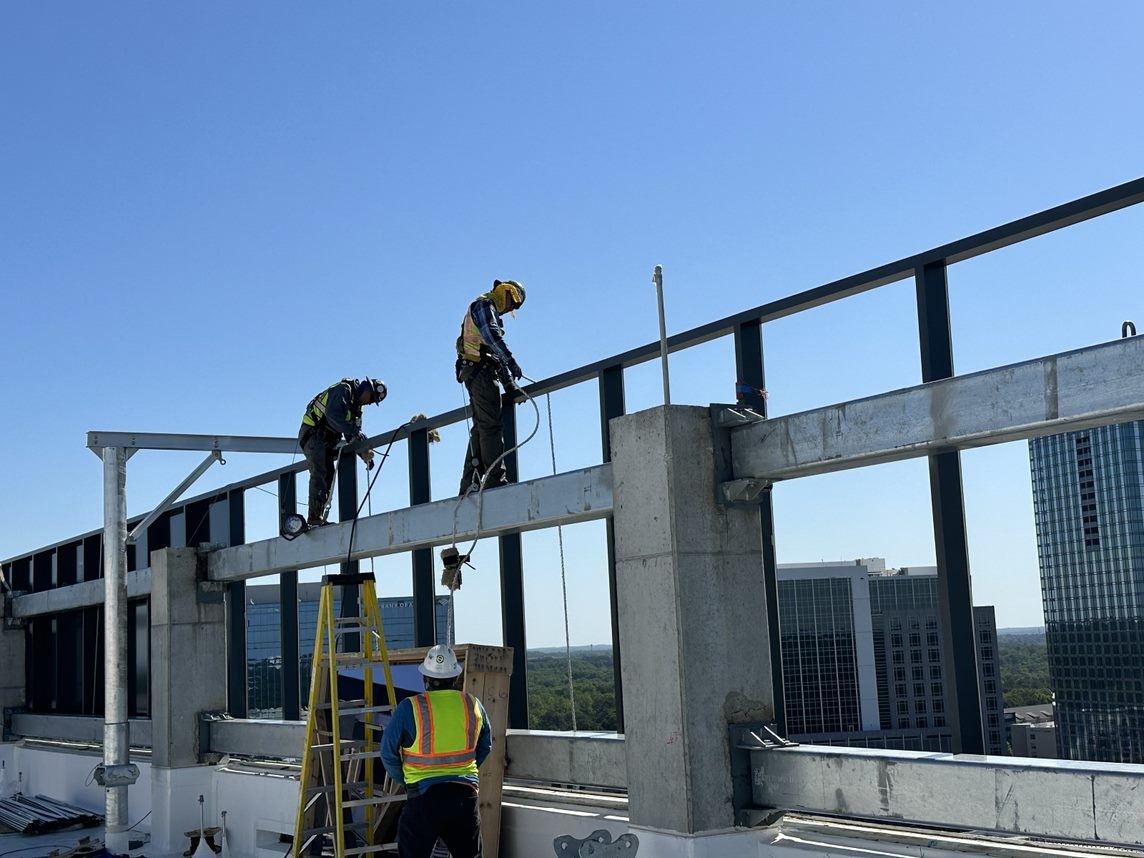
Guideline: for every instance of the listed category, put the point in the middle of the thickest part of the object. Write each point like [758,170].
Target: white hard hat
[440,663]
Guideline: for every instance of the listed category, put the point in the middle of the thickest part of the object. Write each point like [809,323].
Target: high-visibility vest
[316,410]
[470,346]
[447,724]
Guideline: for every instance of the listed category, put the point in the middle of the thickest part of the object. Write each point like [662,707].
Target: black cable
[133,827]
[369,488]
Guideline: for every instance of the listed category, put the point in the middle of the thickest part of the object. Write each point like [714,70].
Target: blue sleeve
[485,737]
[395,737]
[489,326]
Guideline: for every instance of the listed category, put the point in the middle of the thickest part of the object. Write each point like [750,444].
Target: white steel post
[657,279]
[115,735]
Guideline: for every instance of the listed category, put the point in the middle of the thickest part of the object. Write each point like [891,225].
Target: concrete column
[692,618]
[188,676]
[12,663]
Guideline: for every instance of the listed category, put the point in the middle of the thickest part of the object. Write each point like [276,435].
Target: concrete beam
[589,759]
[566,498]
[76,596]
[176,441]
[1080,389]
[1046,798]
[272,740]
[76,728]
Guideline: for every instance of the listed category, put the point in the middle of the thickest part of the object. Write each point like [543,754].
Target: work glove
[514,368]
[505,376]
[367,457]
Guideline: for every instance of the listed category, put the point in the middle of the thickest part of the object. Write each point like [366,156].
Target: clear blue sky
[211,211]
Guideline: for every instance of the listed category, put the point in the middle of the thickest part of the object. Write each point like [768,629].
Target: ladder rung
[357,659]
[377,799]
[365,850]
[331,787]
[341,621]
[360,710]
[329,746]
[330,829]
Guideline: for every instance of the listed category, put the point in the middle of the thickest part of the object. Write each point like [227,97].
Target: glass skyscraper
[863,658]
[1087,489]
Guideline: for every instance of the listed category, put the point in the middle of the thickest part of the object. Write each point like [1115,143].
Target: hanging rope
[563,579]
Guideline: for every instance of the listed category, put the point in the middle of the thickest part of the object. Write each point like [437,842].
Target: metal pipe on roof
[115,737]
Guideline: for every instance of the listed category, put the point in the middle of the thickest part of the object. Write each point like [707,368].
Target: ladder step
[365,850]
[357,707]
[353,744]
[376,800]
[330,829]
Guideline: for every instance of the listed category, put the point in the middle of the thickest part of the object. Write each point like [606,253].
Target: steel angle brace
[598,844]
[729,490]
[744,739]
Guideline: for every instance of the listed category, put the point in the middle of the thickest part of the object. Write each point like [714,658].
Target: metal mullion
[611,381]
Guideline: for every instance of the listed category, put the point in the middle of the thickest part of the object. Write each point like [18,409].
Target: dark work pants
[447,810]
[320,456]
[486,438]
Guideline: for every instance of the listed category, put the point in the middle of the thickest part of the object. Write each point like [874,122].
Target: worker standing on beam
[483,358]
[434,745]
[333,414]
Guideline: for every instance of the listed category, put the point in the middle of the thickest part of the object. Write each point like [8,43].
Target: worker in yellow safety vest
[483,358]
[332,414]
[434,744]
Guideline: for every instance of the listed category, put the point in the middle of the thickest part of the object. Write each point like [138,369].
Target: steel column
[955,594]
[750,371]
[288,611]
[512,589]
[420,491]
[236,613]
[116,741]
[611,382]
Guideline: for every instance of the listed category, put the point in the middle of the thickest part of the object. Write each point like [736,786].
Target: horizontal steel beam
[76,596]
[76,728]
[175,441]
[566,498]
[1080,389]
[1047,798]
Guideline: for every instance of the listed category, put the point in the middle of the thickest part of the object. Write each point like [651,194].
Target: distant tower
[1087,490]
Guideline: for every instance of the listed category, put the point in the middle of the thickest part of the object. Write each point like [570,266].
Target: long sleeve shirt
[343,415]
[402,731]
[488,323]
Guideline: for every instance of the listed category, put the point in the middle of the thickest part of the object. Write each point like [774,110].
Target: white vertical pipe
[115,737]
[657,279]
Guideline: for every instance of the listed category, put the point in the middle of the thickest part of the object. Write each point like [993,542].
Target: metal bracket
[728,490]
[762,738]
[598,844]
[116,776]
[11,622]
[745,491]
[730,416]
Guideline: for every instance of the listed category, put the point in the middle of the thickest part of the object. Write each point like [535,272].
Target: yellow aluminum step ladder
[337,795]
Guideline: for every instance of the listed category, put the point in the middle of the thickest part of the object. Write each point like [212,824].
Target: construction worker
[333,414]
[483,358]
[434,745]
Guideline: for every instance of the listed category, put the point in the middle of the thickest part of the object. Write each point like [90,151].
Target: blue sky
[211,211]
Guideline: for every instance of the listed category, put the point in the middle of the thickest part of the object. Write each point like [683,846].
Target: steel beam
[132,441]
[575,496]
[1088,387]
[166,503]
[261,738]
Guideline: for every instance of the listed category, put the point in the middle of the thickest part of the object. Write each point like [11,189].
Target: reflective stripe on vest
[447,725]
[316,410]
[470,344]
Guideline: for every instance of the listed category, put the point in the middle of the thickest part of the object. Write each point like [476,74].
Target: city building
[1032,731]
[264,638]
[863,659]
[1087,489]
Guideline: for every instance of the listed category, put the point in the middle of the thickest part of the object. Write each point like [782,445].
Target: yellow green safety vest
[316,410]
[447,724]
[470,346]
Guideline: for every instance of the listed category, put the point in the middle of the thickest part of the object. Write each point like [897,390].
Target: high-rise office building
[1087,490]
[264,637]
[863,659]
